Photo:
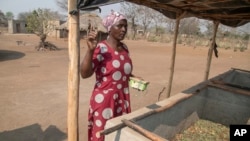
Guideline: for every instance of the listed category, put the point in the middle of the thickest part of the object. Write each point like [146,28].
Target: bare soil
[34,85]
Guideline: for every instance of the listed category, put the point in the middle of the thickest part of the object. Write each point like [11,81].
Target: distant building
[16,26]
[53,29]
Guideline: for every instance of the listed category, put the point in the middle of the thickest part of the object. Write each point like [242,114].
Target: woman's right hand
[91,40]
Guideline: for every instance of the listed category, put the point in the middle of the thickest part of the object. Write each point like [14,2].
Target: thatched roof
[228,12]
[85,19]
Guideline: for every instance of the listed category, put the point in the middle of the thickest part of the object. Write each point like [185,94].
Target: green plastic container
[138,84]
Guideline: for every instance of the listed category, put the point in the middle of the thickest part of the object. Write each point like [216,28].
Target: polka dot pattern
[124,78]
[96,114]
[126,90]
[99,98]
[119,86]
[117,75]
[98,123]
[127,68]
[99,57]
[104,79]
[103,48]
[103,69]
[115,96]
[122,57]
[119,109]
[116,64]
[107,113]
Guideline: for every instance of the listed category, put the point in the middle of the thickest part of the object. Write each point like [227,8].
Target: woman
[112,65]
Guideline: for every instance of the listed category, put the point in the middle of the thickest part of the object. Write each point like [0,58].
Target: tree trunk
[43,37]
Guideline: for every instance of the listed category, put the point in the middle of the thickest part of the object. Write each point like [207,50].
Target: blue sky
[19,6]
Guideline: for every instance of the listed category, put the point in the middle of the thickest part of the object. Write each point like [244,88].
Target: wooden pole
[210,51]
[171,74]
[73,72]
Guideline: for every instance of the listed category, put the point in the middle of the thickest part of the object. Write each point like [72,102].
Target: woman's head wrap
[111,19]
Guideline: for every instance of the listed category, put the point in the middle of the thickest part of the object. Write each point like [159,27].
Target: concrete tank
[224,99]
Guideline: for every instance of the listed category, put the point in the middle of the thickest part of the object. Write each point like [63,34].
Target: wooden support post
[73,72]
[210,51]
[171,74]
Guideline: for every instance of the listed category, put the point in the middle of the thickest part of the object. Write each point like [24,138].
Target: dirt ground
[33,85]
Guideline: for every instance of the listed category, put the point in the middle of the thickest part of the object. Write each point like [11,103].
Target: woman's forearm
[86,65]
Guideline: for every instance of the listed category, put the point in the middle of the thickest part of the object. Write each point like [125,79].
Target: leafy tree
[40,22]
[9,15]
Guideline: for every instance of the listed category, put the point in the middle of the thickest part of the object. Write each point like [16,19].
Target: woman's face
[119,30]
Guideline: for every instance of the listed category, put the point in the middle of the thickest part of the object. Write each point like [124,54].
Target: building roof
[228,12]
[87,18]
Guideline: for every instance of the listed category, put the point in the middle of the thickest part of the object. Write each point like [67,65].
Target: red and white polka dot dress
[110,97]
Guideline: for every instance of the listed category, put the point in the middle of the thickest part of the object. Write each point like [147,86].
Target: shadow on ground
[33,133]
[10,55]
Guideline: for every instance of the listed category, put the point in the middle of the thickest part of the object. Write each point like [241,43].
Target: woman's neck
[113,43]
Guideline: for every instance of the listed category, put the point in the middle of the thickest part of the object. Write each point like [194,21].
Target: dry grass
[204,130]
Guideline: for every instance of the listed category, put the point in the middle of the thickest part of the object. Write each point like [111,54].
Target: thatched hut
[87,21]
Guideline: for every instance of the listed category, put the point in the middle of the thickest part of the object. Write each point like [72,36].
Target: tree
[131,12]
[9,15]
[40,22]
[159,21]
[146,16]
[189,26]
[63,4]
[23,16]
[3,20]
[170,24]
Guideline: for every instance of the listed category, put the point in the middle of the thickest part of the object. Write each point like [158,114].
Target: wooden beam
[73,71]
[156,5]
[237,69]
[143,131]
[225,87]
[231,17]
[210,51]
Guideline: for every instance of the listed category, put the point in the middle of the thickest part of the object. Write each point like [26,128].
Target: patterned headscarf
[111,19]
